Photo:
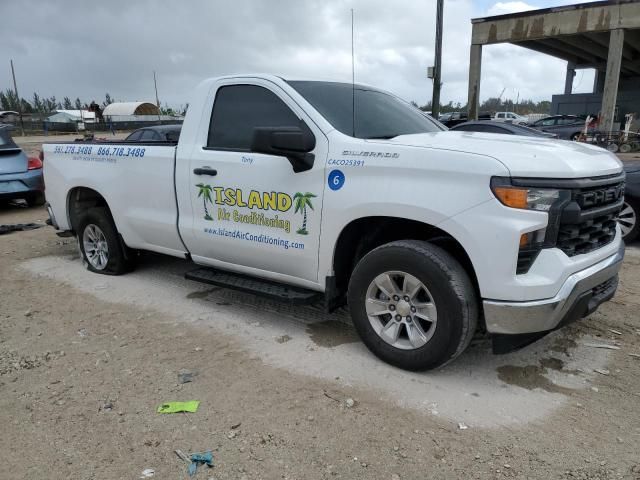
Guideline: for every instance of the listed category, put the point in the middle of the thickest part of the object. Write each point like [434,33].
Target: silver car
[20,176]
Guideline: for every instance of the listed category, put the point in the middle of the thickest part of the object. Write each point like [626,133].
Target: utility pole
[155,84]
[437,67]
[15,88]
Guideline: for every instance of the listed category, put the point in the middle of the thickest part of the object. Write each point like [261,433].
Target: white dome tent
[118,109]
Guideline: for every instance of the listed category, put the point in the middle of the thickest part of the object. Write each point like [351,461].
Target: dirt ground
[286,393]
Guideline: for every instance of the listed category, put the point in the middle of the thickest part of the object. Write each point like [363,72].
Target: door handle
[205,171]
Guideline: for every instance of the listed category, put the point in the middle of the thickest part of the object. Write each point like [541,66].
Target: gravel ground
[286,393]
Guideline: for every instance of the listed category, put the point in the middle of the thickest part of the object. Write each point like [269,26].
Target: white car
[276,187]
[510,117]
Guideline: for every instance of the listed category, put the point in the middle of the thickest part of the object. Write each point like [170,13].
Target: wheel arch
[362,235]
[79,200]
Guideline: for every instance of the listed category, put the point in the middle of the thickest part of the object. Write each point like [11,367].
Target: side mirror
[295,143]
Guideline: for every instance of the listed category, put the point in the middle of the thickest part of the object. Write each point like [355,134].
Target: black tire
[630,221]
[120,258]
[35,199]
[451,289]
[575,137]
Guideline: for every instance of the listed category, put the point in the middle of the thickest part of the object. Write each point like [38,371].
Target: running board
[255,286]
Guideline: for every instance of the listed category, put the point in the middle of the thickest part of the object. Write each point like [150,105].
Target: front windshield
[378,114]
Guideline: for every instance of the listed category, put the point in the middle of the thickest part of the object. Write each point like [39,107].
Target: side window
[173,136]
[466,128]
[135,136]
[494,129]
[548,122]
[501,115]
[150,136]
[567,121]
[238,109]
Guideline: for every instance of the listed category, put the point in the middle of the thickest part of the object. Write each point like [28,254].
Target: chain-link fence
[39,123]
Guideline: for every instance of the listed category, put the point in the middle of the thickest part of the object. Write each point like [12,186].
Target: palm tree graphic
[205,193]
[303,200]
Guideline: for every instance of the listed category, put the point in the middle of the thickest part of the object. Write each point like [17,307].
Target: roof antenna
[353,81]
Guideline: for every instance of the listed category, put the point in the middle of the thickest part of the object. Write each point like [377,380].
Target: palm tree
[205,193]
[303,200]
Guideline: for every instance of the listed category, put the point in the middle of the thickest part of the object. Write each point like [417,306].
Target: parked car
[274,182]
[20,176]
[628,217]
[454,118]
[156,133]
[567,127]
[510,117]
[457,118]
[489,126]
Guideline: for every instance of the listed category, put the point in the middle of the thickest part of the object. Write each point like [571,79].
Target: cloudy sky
[80,48]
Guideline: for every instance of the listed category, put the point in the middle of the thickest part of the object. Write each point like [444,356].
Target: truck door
[250,211]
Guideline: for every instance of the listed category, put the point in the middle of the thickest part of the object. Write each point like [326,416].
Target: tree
[37,103]
[66,103]
[78,104]
[26,106]
[4,102]
[205,193]
[303,200]
[107,100]
[50,104]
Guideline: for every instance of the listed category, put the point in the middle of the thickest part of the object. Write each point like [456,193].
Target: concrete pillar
[610,94]
[568,81]
[475,67]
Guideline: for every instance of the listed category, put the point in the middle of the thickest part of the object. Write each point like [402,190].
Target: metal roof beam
[580,53]
[603,39]
[549,50]
[584,43]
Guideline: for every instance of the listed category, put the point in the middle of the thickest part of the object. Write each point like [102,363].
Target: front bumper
[579,296]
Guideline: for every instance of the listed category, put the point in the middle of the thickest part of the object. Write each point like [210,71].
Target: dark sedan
[489,126]
[20,176]
[567,127]
[628,217]
[156,133]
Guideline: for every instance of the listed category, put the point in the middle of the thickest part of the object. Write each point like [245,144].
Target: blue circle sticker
[336,180]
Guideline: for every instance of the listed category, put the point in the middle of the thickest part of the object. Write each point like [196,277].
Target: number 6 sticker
[336,180]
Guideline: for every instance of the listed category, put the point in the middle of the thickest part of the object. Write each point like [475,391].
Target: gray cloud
[80,48]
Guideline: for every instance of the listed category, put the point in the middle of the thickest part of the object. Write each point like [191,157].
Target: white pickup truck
[276,187]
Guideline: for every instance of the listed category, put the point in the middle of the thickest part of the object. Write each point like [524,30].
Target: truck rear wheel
[100,245]
[413,304]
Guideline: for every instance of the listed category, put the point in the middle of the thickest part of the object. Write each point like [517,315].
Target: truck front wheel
[413,304]
[99,243]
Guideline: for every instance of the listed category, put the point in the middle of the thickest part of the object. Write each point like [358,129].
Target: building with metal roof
[601,35]
[130,108]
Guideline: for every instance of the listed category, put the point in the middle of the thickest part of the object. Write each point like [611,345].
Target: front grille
[586,236]
[588,221]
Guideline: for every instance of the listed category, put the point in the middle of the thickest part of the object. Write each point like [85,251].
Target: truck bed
[136,180]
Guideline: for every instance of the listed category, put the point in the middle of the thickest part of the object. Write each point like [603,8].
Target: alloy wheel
[401,310]
[627,219]
[95,246]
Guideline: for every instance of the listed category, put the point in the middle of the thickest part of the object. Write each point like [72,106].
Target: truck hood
[524,156]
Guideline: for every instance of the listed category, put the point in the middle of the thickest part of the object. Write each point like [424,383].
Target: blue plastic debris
[205,458]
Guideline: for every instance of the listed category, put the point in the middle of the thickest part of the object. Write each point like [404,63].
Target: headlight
[541,199]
